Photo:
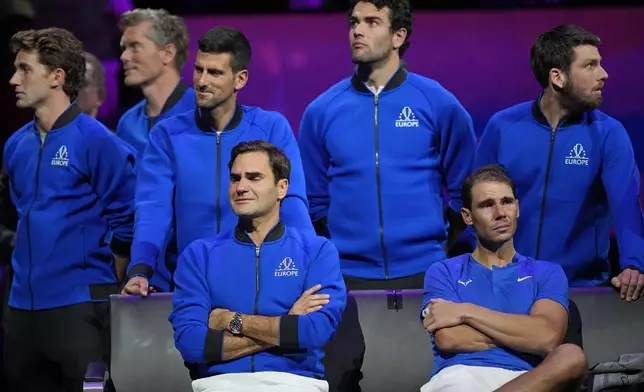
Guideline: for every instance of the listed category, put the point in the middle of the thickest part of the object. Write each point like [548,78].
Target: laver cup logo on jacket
[61,157]
[577,156]
[286,268]
[407,118]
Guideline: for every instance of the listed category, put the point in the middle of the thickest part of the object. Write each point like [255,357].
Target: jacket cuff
[289,332]
[633,267]
[140,269]
[214,347]
[121,247]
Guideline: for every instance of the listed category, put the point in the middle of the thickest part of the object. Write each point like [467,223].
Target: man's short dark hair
[56,48]
[401,16]
[488,173]
[224,39]
[556,49]
[94,71]
[280,164]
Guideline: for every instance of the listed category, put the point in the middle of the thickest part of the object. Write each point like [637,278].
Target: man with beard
[398,138]
[573,165]
[183,174]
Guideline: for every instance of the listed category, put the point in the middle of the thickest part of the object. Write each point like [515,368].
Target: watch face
[236,325]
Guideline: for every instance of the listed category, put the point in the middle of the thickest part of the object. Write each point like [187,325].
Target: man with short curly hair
[72,183]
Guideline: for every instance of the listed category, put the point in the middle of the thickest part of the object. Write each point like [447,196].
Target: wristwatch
[235,325]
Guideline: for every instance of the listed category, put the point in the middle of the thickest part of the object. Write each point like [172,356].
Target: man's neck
[262,226]
[377,74]
[222,114]
[49,112]
[553,108]
[157,93]
[494,256]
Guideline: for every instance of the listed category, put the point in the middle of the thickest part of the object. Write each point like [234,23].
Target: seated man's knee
[571,360]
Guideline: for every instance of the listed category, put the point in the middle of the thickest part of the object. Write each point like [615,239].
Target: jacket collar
[396,80]
[242,236]
[64,119]
[573,118]
[204,121]
[172,100]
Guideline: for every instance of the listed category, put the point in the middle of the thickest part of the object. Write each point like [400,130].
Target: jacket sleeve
[314,330]
[154,207]
[8,216]
[191,308]
[315,162]
[487,151]
[457,148]
[294,210]
[111,173]
[621,180]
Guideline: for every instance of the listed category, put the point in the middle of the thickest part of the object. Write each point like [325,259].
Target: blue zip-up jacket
[375,169]
[72,194]
[230,272]
[571,183]
[184,175]
[134,127]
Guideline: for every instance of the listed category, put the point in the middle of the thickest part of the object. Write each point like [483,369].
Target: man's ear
[57,78]
[241,78]
[282,189]
[467,216]
[558,78]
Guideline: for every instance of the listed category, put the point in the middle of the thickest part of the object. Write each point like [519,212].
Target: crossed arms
[202,335]
[259,332]
[464,327]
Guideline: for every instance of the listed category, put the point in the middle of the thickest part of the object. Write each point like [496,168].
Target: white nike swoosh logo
[524,278]
[465,283]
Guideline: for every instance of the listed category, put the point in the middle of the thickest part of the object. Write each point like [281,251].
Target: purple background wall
[482,57]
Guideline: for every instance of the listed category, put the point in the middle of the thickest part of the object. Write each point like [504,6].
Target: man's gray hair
[165,29]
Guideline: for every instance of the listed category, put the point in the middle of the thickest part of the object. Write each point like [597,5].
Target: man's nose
[242,187]
[125,56]
[499,212]
[14,81]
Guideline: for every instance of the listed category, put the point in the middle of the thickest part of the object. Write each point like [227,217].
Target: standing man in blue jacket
[573,165]
[183,175]
[155,48]
[398,139]
[254,305]
[72,183]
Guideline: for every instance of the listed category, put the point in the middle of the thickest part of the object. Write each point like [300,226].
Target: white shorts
[259,382]
[460,378]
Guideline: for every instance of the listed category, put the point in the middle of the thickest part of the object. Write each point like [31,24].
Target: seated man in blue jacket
[497,318]
[245,310]
[183,176]
[72,182]
[574,166]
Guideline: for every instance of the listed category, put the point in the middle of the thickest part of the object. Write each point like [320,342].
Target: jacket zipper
[377,156]
[217,207]
[27,216]
[545,192]
[255,304]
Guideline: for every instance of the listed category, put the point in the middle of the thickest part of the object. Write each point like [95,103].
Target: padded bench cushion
[398,351]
